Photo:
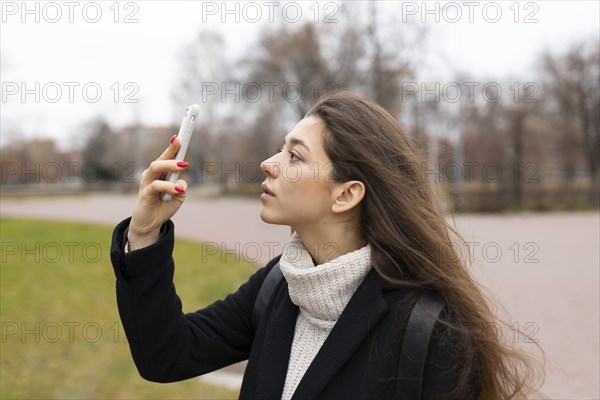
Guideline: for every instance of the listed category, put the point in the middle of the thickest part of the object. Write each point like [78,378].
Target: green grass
[61,333]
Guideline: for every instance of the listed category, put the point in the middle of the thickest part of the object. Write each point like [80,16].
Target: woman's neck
[327,243]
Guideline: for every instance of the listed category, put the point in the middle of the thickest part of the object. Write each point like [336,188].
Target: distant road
[544,269]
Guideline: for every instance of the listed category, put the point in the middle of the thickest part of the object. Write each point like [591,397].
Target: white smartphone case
[185,134]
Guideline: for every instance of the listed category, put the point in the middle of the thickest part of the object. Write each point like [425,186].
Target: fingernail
[179,189]
[173,138]
[182,164]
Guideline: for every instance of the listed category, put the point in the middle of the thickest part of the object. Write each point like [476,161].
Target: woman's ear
[348,195]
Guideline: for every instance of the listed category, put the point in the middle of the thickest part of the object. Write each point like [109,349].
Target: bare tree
[101,154]
[203,73]
[292,63]
[388,64]
[573,85]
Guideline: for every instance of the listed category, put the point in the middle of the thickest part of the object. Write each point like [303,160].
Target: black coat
[358,360]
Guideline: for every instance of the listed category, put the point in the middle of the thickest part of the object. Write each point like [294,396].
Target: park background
[502,99]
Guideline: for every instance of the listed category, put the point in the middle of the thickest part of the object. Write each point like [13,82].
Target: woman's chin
[269,218]
[266,217]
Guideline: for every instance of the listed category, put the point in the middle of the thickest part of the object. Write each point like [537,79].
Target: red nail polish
[179,189]
[173,138]
[182,164]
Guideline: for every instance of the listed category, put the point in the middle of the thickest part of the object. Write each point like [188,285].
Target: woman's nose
[270,167]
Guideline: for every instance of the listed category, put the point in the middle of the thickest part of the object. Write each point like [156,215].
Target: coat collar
[361,315]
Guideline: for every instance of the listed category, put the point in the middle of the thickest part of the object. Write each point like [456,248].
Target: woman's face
[298,190]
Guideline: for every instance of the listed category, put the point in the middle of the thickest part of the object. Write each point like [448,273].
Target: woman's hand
[151,212]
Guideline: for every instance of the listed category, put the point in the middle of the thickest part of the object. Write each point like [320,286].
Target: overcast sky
[81,47]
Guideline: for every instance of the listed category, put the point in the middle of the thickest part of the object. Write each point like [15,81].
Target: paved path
[543,268]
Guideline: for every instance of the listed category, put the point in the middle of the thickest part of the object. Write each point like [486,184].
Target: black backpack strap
[415,344]
[264,294]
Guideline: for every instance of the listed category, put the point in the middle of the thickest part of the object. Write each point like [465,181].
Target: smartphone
[185,134]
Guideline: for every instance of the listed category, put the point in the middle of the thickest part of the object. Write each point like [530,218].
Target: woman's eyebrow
[294,141]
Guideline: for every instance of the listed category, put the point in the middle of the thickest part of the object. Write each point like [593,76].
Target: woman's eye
[292,155]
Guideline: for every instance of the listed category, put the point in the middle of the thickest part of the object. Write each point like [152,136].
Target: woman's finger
[180,189]
[171,151]
[159,168]
[182,185]
[158,186]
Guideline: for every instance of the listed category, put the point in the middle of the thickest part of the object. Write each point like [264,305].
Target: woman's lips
[266,190]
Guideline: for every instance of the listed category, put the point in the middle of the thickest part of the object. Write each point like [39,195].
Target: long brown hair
[411,241]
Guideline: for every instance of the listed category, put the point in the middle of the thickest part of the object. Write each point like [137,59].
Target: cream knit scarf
[321,292]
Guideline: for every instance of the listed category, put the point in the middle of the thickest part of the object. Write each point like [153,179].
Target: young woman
[368,240]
